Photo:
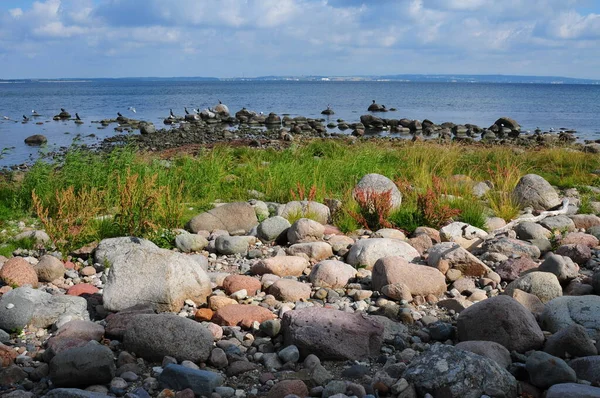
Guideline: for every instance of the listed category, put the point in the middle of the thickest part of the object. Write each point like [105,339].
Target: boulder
[546,370]
[117,324]
[179,378]
[529,301]
[446,371]
[109,249]
[420,279]
[232,217]
[234,283]
[289,290]
[568,310]
[236,314]
[366,252]
[563,267]
[528,230]
[159,277]
[332,334]
[36,139]
[533,190]
[188,243]
[512,268]
[377,183]
[511,247]
[228,245]
[281,266]
[573,340]
[288,388]
[153,337]
[17,272]
[456,258]
[305,230]
[572,390]
[494,351]
[544,285]
[83,366]
[26,306]
[455,230]
[558,223]
[585,221]
[49,268]
[587,368]
[307,209]
[272,228]
[314,251]
[332,274]
[580,254]
[503,320]
[580,238]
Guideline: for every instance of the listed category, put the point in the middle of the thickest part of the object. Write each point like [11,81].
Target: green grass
[332,166]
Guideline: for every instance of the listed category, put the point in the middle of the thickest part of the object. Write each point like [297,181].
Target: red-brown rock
[7,355]
[512,268]
[288,387]
[579,238]
[233,283]
[204,314]
[17,271]
[234,314]
[82,289]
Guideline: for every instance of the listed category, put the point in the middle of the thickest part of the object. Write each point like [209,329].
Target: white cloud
[322,36]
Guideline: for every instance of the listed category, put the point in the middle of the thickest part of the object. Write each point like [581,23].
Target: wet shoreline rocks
[249,308]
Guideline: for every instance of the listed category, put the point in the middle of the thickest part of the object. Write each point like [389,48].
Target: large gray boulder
[533,190]
[366,252]
[27,306]
[378,183]
[446,371]
[109,249]
[236,218]
[511,247]
[457,258]
[154,336]
[332,334]
[159,277]
[503,320]
[49,268]
[83,366]
[568,310]
[494,351]
[272,228]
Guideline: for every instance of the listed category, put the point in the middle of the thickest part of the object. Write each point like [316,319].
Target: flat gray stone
[201,382]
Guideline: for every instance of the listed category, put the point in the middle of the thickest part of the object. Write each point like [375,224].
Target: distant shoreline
[408,78]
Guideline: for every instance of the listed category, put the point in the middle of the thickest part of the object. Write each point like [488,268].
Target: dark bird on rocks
[77,116]
[171,114]
[119,114]
[186,111]
[34,113]
[62,109]
[25,118]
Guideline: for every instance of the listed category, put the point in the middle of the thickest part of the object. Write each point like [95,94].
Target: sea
[545,106]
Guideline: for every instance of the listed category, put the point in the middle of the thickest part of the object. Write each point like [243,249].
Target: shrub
[500,198]
[407,218]
[374,208]
[69,222]
[471,212]
[434,213]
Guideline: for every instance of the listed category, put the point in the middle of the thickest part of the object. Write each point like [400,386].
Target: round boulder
[366,252]
[544,285]
[49,268]
[18,272]
[378,184]
[533,190]
[331,274]
[503,320]
[420,279]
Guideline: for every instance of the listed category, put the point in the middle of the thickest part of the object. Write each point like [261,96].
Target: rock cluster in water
[271,308]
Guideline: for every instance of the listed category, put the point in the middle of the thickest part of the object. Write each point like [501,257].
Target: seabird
[119,114]
[551,129]
[220,102]
[77,116]
[186,111]
[62,109]
[25,118]
[5,118]
[34,113]
[171,114]
[132,109]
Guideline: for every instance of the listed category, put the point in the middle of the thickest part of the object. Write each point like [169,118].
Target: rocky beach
[251,304]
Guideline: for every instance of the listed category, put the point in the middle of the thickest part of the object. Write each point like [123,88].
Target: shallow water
[532,105]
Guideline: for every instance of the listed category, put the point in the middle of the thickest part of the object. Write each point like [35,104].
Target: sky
[249,38]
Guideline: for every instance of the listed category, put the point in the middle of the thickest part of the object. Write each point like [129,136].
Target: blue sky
[225,38]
